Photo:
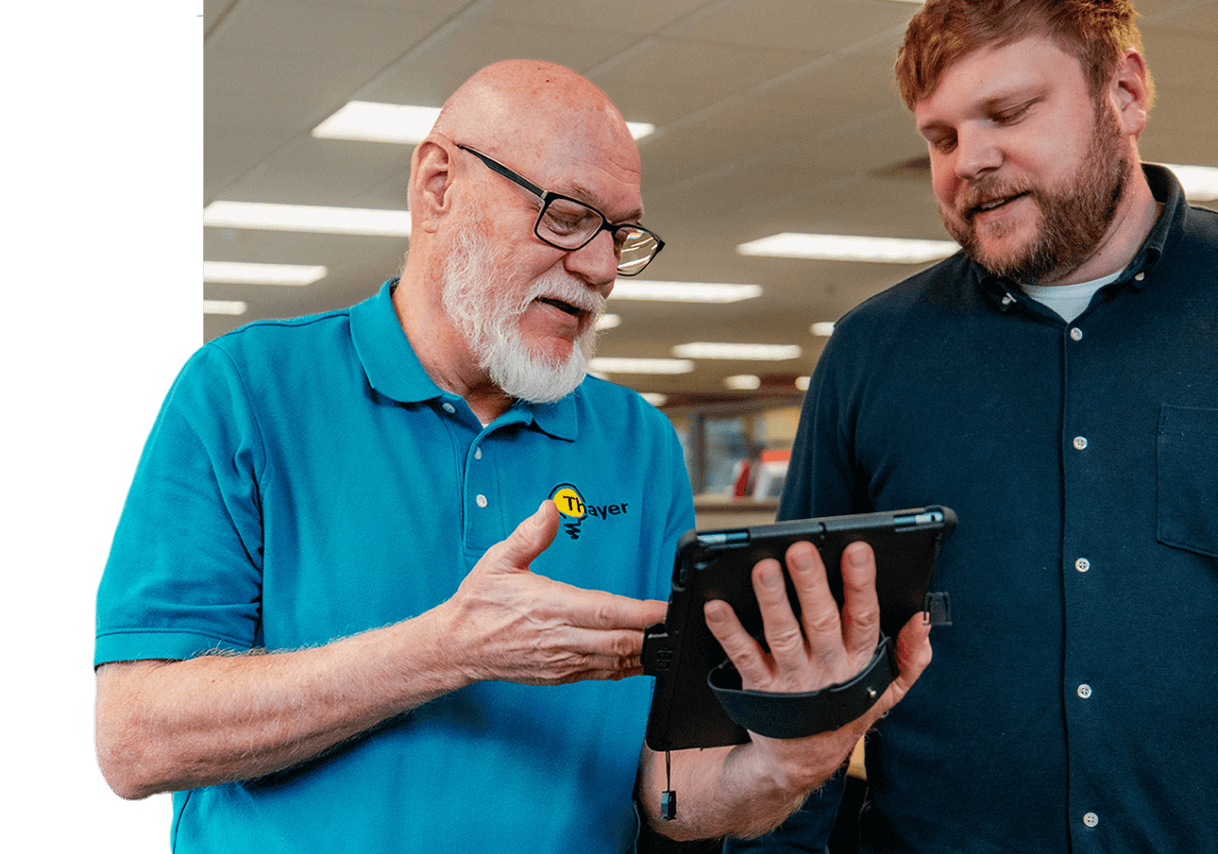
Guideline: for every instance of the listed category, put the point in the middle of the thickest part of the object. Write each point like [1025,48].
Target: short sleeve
[184,571]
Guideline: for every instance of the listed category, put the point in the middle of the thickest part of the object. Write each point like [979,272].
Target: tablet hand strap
[797,715]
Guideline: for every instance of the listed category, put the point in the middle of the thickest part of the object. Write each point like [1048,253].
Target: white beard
[489,318]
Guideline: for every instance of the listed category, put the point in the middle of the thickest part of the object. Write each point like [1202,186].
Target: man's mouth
[992,205]
[574,311]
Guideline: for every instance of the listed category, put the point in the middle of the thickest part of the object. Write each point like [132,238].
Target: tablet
[681,651]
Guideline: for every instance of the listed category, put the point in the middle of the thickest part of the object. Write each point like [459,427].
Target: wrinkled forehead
[582,150]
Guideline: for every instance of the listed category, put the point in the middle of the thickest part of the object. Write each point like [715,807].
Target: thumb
[531,537]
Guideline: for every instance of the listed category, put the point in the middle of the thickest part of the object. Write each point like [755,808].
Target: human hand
[822,647]
[508,623]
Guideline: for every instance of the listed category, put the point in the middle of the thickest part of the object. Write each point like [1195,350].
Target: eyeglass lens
[569,224]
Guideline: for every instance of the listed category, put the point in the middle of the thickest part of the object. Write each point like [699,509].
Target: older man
[318,627]
[1057,386]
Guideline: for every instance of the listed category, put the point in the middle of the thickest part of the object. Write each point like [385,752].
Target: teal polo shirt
[306,480]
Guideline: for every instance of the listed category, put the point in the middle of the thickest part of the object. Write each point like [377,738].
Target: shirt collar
[1166,190]
[394,370]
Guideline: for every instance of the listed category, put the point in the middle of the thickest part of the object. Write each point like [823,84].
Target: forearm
[729,791]
[164,726]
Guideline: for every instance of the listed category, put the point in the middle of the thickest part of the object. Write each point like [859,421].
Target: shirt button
[480,500]
[1080,442]
[1076,334]
[1082,564]
[477,453]
[1084,690]
[1091,819]
[1140,276]
[449,408]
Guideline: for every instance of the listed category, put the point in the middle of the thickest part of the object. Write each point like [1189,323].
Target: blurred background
[779,164]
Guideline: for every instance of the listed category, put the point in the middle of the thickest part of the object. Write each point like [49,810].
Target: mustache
[986,192]
[559,285]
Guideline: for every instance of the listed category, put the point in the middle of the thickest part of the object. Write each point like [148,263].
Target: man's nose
[596,263]
[977,153]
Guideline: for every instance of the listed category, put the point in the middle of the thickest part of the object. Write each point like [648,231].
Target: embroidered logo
[571,505]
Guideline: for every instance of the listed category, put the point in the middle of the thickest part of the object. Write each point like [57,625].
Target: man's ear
[1131,91]
[431,184]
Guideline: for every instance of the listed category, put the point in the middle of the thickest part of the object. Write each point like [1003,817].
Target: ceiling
[770,117]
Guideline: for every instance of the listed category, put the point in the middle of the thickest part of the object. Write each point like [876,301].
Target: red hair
[1095,32]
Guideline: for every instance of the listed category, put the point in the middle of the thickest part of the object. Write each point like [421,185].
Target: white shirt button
[1091,819]
[1080,442]
[480,500]
[1084,690]
[1076,334]
[1082,564]
[477,453]
[1140,276]
[449,408]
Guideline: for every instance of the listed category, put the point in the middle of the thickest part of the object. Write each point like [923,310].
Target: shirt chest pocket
[1188,479]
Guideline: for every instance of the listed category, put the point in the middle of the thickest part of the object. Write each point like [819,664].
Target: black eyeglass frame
[547,197]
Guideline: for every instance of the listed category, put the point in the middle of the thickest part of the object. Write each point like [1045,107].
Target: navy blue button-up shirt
[1073,703]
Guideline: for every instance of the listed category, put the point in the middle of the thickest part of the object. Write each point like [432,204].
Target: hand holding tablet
[699,701]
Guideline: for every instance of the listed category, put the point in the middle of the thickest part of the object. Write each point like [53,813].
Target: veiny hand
[823,647]
[508,623]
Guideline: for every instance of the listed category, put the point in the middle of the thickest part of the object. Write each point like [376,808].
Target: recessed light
[232,273]
[403,124]
[849,247]
[709,350]
[609,365]
[311,218]
[713,292]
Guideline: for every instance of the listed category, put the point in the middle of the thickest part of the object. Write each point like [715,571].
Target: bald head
[532,112]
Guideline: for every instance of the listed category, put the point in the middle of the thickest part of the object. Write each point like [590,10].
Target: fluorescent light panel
[849,247]
[824,328]
[765,352]
[712,292]
[609,321]
[1200,182]
[224,306]
[402,124]
[743,382]
[311,218]
[609,365]
[297,275]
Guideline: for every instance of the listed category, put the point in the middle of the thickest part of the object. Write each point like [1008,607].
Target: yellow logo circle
[568,501]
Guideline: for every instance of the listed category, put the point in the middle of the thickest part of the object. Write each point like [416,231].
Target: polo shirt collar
[389,361]
[1165,188]
[393,369]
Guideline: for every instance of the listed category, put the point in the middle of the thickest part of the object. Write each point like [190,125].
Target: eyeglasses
[567,223]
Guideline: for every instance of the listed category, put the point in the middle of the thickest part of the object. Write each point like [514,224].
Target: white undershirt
[1069,301]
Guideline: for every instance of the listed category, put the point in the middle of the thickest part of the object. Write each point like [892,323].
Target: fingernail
[857,557]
